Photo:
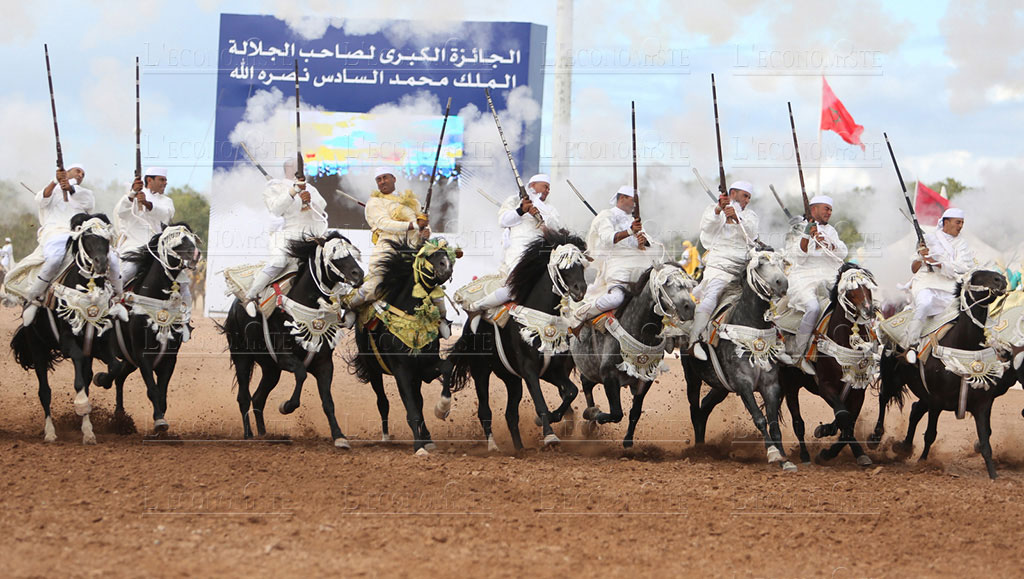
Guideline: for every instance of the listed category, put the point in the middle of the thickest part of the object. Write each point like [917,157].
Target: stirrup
[698,352]
[807,368]
[250,308]
[911,355]
[28,315]
[444,329]
[349,319]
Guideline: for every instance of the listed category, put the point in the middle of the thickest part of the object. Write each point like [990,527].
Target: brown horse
[845,364]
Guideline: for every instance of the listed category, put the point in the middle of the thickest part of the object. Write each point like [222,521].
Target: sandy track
[213,505]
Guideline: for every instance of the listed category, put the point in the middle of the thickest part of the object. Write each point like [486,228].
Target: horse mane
[304,248]
[143,255]
[833,295]
[533,265]
[636,288]
[397,269]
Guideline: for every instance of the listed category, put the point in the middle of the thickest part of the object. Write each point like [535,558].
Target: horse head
[341,261]
[434,263]
[90,242]
[853,291]
[177,248]
[766,274]
[672,288]
[566,268]
[982,287]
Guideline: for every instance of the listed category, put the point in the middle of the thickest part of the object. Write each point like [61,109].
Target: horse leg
[444,403]
[483,404]
[153,393]
[163,379]
[917,411]
[49,432]
[612,391]
[533,385]
[383,406]
[855,401]
[792,395]
[514,388]
[324,374]
[417,396]
[270,373]
[568,391]
[772,395]
[746,393]
[635,411]
[588,391]
[982,420]
[700,412]
[413,414]
[243,374]
[875,438]
[83,377]
[931,432]
[294,365]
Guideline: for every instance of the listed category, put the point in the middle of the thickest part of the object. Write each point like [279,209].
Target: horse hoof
[286,407]
[430,446]
[49,432]
[443,408]
[491,445]
[537,420]
[977,446]
[864,460]
[627,443]
[103,380]
[903,449]
[551,440]
[820,431]
[591,413]
[82,404]
[589,428]
[161,425]
[788,467]
[385,437]
[342,443]
[1017,360]
[774,455]
[422,452]
[88,438]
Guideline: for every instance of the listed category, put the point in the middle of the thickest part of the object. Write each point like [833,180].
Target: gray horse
[744,360]
[630,350]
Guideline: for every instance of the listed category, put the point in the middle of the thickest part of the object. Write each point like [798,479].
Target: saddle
[239,279]
[895,327]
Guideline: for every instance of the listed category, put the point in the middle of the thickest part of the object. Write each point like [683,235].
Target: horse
[629,351]
[400,333]
[961,373]
[533,344]
[845,364]
[300,334]
[747,366]
[76,325]
[158,322]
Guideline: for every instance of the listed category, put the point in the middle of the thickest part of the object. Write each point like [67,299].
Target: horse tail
[892,389]
[26,346]
[462,355]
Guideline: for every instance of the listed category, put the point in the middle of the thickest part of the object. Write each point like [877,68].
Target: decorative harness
[860,361]
[86,307]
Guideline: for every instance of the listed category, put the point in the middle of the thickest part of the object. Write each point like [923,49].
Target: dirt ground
[210,504]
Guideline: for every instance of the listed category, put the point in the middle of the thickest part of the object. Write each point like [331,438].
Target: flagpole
[821,152]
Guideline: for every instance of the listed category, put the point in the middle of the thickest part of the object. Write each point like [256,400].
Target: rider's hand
[636,226]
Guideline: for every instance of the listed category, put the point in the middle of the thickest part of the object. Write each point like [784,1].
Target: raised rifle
[254,161]
[138,128]
[906,196]
[56,132]
[722,190]
[437,157]
[519,180]
[636,190]
[779,201]
[300,167]
[799,167]
[580,195]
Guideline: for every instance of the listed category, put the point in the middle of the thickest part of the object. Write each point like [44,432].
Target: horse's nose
[356,275]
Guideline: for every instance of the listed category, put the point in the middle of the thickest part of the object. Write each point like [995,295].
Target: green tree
[953,187]
[191,207]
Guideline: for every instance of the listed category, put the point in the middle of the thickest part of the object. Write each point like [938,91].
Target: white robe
[955,257]
[137,224]
[813,267]
[727,248]
[619,263]
[55,214]
[277,196]
[521,230]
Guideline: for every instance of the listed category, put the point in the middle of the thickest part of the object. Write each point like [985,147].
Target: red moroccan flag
[835,117]
[929,205]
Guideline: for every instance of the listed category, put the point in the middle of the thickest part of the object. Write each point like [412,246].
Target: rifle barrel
[508,152]
[437,156]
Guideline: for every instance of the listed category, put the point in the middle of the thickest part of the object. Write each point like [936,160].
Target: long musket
[704,185]
[56,132]
[718,138]
[781,204]
[906,196]
[437,157]
[138,127]
[254,161]
[511,161]
[746,236]
[300,167]
[636,190]
[27,188]
[799,166]
[487,197]
[580,195]
[343,194]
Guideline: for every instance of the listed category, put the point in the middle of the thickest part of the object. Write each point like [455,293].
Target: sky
[943,79]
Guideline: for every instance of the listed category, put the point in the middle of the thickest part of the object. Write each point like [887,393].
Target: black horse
[158,321]
[530,286]
[300,335]
[78,329]
[939,389]
[411,278]
[842,371]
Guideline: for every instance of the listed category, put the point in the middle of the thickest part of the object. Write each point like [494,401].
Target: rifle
[437,157]
[29,189]
[519,180]
[705,185]
[779,200]
[488,197]
[906,196]
[636,190]
[343,194]
[300,167]
[254,161]
[799,167]
[580,195]
[138,128]
[718,137]
[746,236]
[56,133]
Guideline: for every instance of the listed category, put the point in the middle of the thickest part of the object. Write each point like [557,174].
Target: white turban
[154,172]
[75,166]
[539,178]
[383,171]
[823,199]
[742,186]
[626,190]
[953,213]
